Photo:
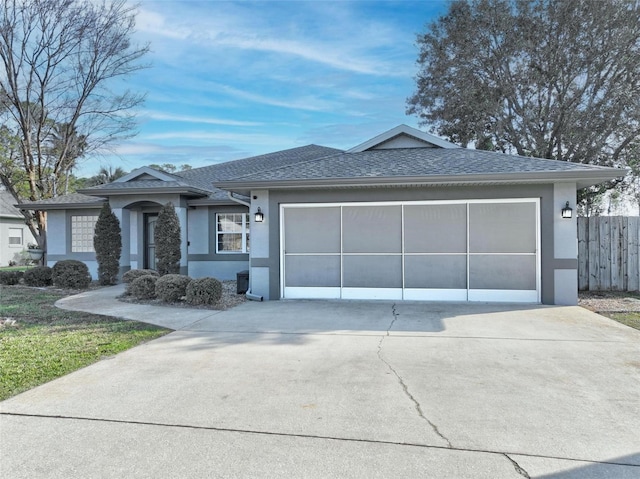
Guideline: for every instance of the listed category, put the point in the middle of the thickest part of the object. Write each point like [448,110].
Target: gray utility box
[242,282]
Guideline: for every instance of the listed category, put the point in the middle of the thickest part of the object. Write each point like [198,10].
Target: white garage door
[475,250]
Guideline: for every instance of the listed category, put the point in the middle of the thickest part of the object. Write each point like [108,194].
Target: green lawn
[631,319]
[46,342]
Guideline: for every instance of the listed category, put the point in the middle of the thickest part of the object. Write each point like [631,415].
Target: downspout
[248,294]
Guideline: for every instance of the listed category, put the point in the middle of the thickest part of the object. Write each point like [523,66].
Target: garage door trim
[403,292]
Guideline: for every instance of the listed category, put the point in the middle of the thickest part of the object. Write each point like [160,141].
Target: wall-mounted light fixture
[259,217]
[567,212]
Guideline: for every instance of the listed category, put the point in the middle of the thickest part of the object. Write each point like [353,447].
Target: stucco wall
[548,222]
[13,252]
[202,258]
[59,239]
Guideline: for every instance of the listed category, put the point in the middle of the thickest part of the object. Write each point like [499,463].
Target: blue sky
[235,79]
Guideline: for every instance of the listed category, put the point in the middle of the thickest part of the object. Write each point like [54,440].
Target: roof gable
[402,136]
[7,208]
[146,173]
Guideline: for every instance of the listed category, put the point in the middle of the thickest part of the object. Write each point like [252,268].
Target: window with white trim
[232,233]
[82,231]
[16,237]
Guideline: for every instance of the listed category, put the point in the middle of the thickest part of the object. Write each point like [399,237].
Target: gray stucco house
[14,233]
[405,215]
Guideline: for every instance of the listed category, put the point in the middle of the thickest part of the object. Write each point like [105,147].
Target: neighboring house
[14,233]
[405,215]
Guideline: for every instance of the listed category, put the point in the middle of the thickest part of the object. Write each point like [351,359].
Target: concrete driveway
[345,389]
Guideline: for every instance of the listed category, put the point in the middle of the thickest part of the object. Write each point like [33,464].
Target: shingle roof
[73,199]
[146,185]
[205,177]
[6,205]
[413,162]
[323,166]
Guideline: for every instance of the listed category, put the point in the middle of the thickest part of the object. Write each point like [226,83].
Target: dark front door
[149,241]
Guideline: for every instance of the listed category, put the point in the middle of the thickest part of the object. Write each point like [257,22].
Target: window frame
[82,247]
[245,233]
[16,245]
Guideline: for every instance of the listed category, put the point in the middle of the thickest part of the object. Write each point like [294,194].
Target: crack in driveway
[518,467]
[405,388]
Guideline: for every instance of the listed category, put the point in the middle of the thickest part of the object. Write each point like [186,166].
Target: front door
[150,245]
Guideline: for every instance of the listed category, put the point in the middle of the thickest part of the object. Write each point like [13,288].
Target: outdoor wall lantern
[259,217]
[567,212]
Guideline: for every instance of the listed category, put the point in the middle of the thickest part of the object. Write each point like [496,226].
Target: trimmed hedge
[172,287]
[107,243]
[204,291]
[167,239]
[143,287]
[10,278]
[132,274]
[38,276]
[71,273]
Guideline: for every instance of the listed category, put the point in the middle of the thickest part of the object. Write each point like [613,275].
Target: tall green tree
[167,240]
[552,79]
[107,242]
[107,174]
[59,60]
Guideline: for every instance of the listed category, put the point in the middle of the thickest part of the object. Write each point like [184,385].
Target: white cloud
[308,102]
[337,36]
[148,21]
[211,137]
[156,115]
[325,53]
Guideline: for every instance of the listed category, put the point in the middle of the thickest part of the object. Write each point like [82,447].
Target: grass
[46,342]
[14,268]
[630,318]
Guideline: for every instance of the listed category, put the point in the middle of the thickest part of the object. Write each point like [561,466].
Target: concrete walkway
[103,301]
[341,389]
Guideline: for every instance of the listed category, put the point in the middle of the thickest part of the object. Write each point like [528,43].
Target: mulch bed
[609,301]
[229,299]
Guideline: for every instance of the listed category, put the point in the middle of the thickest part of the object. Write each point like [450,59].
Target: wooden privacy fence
[608,253]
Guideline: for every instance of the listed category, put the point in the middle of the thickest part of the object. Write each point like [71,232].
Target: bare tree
[552,79]
[57,91]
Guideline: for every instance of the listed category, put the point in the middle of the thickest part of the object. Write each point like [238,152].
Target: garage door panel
[439,271]
[312,230]
[372,229]
[435,228]
[502,272]
[502,227]
[312,271]
[473,250]
[372,271]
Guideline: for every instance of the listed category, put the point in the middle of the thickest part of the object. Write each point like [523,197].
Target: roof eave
[144,191]
[211,202]
[581,178]
[62,206]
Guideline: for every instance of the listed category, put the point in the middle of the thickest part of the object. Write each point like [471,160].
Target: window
[232,233]
[15,237]
[82,231]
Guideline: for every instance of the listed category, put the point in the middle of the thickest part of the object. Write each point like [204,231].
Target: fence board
[633,254]
[594,256]
[609,253]
[583,254]
[615,266]
[624,253]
